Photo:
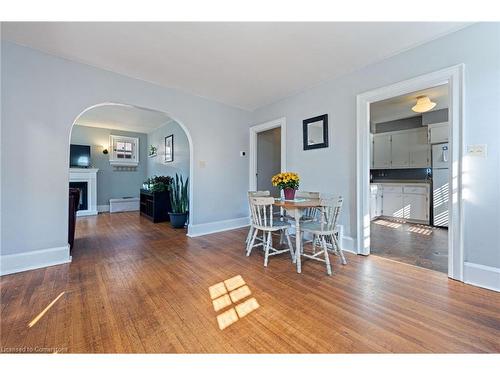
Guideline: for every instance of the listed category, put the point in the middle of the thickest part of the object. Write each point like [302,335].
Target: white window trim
[135,150]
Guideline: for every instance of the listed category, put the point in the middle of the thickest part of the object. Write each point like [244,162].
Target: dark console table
[155,205]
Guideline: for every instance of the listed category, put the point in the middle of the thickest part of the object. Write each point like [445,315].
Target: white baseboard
[483,276]
[103,208]
[195,230]
[30,260]
[86,213]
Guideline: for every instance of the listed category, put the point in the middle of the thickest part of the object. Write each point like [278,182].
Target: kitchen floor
[415,244]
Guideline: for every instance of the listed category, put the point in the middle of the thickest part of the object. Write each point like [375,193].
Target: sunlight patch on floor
[227,293]
[39,316]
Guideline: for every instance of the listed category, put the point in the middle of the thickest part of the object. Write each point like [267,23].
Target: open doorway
[452,78]
[267,154]
[122,160]
[409,173]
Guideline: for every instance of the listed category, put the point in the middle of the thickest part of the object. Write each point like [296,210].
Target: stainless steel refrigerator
[440,184]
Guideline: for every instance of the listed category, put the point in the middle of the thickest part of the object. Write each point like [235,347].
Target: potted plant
[180,202]
[288,182]
[160,184]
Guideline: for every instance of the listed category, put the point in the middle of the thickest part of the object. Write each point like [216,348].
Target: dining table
[296,208]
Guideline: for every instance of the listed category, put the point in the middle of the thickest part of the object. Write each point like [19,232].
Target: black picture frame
[169,145]
[305,132]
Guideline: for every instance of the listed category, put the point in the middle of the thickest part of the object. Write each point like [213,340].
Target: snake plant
[179,195]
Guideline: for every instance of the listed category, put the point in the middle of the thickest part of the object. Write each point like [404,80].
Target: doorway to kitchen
[409,168]
[409,172]
[267,154]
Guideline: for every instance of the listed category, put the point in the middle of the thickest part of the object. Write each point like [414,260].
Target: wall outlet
[477,150]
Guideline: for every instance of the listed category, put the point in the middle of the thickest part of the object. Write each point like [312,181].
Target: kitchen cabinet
[438,133]
[416,207]
[404,201]
[420,151]
[400,150]
[382,151]
[375,201]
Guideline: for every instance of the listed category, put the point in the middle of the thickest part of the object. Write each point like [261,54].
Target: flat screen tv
[79,156]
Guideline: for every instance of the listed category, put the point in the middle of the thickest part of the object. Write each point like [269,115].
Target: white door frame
[254,130]
[454,77]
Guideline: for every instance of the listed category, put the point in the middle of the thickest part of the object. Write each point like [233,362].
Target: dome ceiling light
[424,104]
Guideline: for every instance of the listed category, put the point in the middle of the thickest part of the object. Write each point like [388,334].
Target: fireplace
[83,204]
[85,180]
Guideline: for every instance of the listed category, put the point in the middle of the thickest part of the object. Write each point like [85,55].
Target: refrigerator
[440,184]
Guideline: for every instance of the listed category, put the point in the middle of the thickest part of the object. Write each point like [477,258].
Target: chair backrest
[309,212]
[307,194]
[330,212]
[262,211]
[259,193]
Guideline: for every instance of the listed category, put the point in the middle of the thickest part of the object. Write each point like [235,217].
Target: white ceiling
[246,65]
[400,106]
[123,117]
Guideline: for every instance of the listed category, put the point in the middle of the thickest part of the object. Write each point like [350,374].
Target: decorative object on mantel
[315,132]
[180,202]
[288,182]
[153,151]
[169,148]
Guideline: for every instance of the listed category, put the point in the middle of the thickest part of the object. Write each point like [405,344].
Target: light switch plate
[477,150]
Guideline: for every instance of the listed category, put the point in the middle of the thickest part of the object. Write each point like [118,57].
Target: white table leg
[298,240]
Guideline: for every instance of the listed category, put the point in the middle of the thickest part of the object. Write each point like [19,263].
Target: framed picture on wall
[169,148]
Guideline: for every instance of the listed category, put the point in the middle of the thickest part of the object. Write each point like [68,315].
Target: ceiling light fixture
[424,104]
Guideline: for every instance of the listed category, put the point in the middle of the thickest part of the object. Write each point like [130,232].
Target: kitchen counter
[401,182]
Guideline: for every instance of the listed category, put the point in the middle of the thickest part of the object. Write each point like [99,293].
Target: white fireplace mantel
[88,175]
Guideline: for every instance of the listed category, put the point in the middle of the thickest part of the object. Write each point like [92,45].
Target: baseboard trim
[196,230]
[30,260]
[482,276]
[103,208]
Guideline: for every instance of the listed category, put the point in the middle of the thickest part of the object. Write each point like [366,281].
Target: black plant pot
[178,220]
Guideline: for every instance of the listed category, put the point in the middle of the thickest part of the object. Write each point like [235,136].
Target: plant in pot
[180,202]
[288,182]
[160,184]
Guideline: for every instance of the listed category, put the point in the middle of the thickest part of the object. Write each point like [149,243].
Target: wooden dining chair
[263,220]
[311,213]
[325,230]
[277,216]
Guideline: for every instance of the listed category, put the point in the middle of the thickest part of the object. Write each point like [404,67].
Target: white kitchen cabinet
[400,150]
[438,133]
[405,201]
[382,151]
[375,201]
[416,207]
[392,204]
[419,148]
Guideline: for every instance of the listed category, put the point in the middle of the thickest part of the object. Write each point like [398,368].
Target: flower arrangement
[287,181]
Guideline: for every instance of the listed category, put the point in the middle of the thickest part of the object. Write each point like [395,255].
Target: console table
[155,205]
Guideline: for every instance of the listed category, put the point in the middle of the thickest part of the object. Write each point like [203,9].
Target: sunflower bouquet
[287,181]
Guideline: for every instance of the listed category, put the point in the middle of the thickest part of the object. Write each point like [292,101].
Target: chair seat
[315,228]
[277,225]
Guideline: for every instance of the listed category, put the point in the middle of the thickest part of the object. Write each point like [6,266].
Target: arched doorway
[164,148]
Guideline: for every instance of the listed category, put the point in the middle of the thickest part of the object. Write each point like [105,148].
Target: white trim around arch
[254,130]
[454,77]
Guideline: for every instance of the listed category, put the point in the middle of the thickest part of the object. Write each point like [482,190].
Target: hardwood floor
[134,286]
[417,244]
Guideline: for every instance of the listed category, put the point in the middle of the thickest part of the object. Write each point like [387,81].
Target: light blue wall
[334,168]
[157,165]
[112,183]
[45,95]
